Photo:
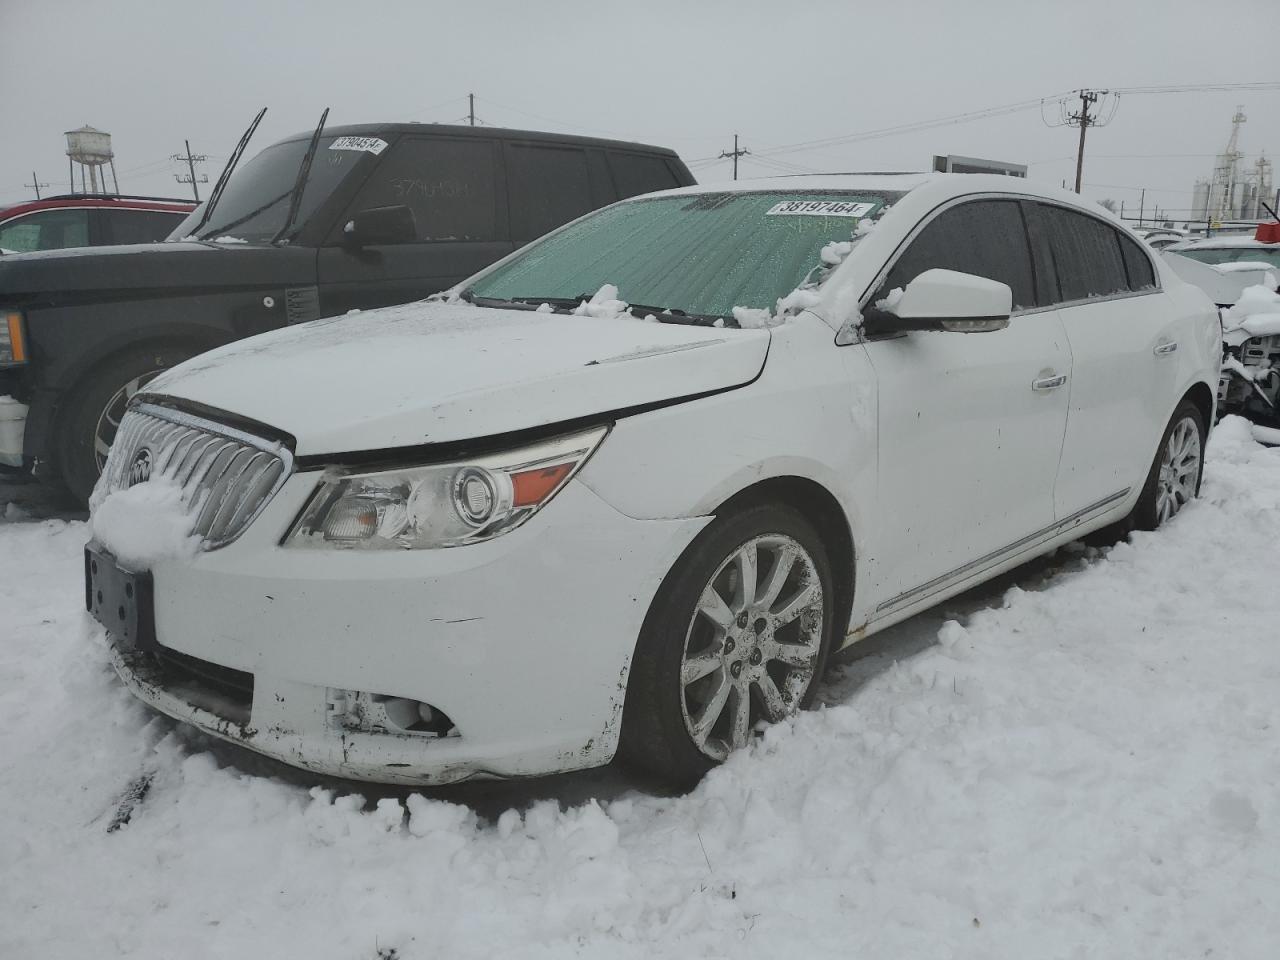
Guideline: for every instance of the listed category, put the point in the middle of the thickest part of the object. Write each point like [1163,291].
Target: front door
[453,188]
[970,424]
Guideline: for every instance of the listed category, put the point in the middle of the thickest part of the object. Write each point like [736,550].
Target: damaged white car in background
[625,490]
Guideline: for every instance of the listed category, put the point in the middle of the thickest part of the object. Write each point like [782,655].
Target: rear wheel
[737,636]
[1175,475]
[92,413]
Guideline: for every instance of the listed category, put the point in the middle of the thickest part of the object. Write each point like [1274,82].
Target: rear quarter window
[635,174]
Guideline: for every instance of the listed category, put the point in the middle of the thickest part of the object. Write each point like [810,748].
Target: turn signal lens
[534,486]
[13,346]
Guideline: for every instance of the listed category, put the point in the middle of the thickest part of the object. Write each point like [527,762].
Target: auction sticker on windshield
[820,208]
[366,144]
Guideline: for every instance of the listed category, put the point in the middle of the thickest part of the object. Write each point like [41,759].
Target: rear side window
[1086,254]
[636,174]
[985,238]
[547,185]
[1136,264]
[138,226]
[46,230]
[448,184]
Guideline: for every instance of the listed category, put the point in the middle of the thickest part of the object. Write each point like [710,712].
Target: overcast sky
[682,74]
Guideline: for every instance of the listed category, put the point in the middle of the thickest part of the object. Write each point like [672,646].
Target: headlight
[13,345]
[441,505]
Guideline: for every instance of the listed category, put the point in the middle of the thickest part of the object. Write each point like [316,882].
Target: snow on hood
[436,372]
[1255,314]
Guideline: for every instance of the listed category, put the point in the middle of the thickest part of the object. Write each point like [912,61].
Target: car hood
[88,274]
[434,372]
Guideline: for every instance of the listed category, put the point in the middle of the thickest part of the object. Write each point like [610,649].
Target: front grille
[226,475]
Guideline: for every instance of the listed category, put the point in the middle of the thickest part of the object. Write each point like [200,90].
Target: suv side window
[986,238]
[450,185]
[138,226]
[636,173]
[548,186]
[46,230]
[1086,254]
[1136,264]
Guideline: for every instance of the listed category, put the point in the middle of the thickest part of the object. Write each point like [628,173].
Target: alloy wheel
[752,646]
[104,433]
[1179,469]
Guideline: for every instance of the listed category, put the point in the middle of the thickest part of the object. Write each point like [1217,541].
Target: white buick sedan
[625,491]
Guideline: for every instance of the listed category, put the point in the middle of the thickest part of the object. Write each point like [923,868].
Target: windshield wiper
[304,171]
[221,185]
[676,315]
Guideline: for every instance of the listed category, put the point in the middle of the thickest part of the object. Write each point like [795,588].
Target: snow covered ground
[1086,765]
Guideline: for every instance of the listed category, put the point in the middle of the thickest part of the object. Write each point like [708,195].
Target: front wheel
[1174,479]
[93,412]
[737,636]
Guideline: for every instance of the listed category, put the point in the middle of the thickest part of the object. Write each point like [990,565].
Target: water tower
[91,149]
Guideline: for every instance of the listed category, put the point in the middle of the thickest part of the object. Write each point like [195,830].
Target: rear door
[458,202]
[1123,347]
[970,425]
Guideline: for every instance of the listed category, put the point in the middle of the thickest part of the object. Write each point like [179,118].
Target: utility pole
[471,113]
[735,155]
[1142,204]
[35,184]
[191,161]
[1083,119]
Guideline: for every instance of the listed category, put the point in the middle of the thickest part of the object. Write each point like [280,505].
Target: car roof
[98,201]
[939,185]
[490,133]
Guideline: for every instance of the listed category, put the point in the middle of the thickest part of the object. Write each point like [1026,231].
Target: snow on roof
[1221,243]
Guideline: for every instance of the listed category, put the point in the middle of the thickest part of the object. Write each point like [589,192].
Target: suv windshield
[255,203]
[1234,255]
[701,255]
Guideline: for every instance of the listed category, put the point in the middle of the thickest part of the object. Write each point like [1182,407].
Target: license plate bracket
[119,599]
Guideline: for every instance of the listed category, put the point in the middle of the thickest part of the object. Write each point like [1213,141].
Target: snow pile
[1256,313]
[145,524]
[890,300]
[604,304]
[833,253]
[229,239]
[1081,766]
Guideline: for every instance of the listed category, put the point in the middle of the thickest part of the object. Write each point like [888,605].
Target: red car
[88,220]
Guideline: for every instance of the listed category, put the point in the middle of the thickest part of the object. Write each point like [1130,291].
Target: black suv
[362,216]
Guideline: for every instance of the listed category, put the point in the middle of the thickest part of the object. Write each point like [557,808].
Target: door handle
[1164,349]
[1049,383]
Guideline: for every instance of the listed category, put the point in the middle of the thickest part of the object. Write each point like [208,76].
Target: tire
[90,415]
[756,662]
[1176,472]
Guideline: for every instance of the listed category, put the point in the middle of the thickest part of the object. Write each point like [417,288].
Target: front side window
[1086,254]
[985,238]
[46,230]
[702,254]
[448,184]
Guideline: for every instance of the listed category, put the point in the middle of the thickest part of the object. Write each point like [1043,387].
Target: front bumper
[13,421]
[523,641]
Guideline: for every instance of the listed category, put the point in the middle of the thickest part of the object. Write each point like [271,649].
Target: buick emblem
[140,469]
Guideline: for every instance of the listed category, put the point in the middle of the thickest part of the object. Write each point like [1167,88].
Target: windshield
[255,204]
[702,255]
[1267,255]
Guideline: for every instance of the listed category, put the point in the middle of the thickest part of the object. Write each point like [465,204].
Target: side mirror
[395,224]
[944,300]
